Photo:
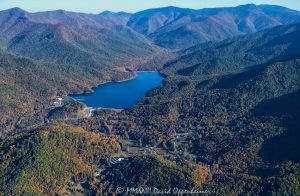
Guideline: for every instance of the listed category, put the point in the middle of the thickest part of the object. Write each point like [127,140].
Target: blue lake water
[121,95]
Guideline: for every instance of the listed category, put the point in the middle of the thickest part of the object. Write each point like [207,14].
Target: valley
[220,112]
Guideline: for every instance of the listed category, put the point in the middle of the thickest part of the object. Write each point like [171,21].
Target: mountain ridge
[174,27]
[209,24]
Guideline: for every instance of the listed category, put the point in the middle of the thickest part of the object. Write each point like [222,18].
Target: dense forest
[150,171]
[225,120]
[43,161]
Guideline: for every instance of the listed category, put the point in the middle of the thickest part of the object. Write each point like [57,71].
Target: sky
[97,6]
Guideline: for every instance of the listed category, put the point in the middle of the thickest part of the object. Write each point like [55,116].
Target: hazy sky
[96,6]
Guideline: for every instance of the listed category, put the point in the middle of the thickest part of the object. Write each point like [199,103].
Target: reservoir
[121,95]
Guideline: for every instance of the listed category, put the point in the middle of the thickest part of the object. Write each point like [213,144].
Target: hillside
[215,109]
[57,53]
[72,38]
[27,87]
[221,129]
[178,28]
[43,161]
[261,48]
[225,114]
[116,17]
[155,172]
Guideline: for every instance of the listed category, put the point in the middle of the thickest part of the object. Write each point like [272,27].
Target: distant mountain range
[168,27]
[72,38]
[177,28]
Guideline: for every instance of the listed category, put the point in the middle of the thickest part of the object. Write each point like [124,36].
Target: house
[58,102]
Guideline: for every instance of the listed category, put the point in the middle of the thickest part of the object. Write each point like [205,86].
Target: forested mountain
[72,38]
[223,65]
[229,116]
[169,27]
[28,85]
[44,161]
[225,120]
[156,172]
[175,28]
[54,53]
[276,44]
[116,17]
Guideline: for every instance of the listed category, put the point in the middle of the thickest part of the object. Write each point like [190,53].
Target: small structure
[58,102]
[116,160]
[97,174]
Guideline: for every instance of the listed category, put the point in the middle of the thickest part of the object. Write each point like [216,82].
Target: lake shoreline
[114,96]
[103,83]
[108,82]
